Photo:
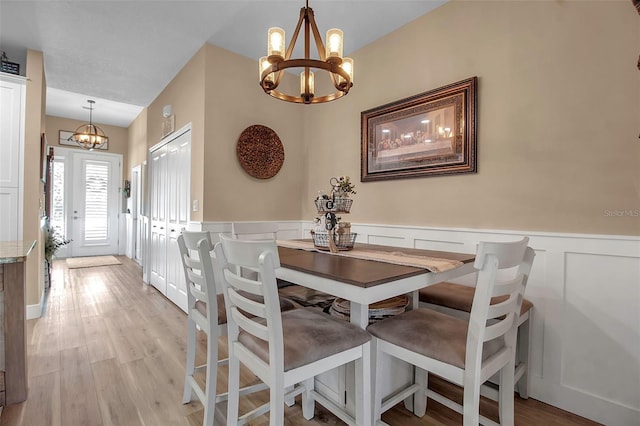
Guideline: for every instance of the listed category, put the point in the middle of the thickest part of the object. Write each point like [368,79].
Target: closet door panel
[158,243]
[178,174]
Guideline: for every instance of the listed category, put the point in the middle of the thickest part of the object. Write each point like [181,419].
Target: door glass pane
[57,198]
[96,225]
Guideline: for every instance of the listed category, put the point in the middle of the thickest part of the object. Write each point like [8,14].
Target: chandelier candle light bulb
[304,91]
[334,45]
[275,44]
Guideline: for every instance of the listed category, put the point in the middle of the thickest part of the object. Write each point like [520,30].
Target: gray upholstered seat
[309,335]
[459,297]
[432,334]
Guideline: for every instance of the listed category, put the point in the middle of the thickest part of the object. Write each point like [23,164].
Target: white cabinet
[12,100]
[170,174]
[9,208]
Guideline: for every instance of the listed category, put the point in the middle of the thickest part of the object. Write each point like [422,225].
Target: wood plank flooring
[110,350]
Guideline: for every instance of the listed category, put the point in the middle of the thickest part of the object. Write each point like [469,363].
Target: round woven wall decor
[260,151]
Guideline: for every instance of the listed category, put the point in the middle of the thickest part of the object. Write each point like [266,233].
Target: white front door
[95,204]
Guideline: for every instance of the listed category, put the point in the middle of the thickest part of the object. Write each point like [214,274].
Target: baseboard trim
[35,311]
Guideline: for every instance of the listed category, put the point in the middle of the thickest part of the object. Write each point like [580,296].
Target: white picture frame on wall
[64,136]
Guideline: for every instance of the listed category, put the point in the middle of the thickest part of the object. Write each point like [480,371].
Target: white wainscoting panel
[586,316]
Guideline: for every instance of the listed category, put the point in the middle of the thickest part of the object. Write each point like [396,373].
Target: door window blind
[96,225]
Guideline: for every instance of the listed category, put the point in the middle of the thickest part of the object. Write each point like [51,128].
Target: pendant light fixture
[89,136]
[272,66]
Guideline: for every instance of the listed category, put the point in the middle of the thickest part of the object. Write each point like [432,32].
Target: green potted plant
[342,186]
[53,240]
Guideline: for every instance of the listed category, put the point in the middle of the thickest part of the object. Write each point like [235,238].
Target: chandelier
[89,136]
[340,69]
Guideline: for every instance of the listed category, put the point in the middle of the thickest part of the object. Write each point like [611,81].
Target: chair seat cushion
[222,312]
[285,305]
[431,334]
[309,335]
[459,297]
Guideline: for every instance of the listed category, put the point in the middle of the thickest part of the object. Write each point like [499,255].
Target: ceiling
[122,54]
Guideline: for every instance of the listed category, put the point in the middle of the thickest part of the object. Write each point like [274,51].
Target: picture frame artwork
[43,157]
[64,136]
[429,134]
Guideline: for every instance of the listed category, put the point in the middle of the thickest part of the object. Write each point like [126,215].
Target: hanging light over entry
[89,136]
[331,61]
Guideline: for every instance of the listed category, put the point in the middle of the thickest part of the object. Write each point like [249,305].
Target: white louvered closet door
[170,175]
[178,176]
[158,240]
[94,216]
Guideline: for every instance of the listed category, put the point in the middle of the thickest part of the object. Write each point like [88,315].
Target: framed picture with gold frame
[429,134]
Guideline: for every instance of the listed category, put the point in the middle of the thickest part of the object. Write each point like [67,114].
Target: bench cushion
[459,297]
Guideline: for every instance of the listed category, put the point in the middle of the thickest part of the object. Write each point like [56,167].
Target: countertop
[15,251]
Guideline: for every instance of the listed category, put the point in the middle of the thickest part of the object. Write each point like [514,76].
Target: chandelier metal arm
[316,36]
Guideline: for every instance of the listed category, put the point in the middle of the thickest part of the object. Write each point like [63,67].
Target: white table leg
[360,315]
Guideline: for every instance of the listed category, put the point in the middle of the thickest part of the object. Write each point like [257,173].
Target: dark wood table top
[359,272]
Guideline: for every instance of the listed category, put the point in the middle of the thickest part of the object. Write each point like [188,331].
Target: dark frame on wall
[43,157]
[429,134]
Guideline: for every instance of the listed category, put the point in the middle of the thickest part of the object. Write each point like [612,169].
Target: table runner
[396,257]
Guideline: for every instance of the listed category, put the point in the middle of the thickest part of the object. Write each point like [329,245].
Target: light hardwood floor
[110,350]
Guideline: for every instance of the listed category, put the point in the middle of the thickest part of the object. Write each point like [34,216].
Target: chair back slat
[254,230]
[259,330]
[244,284]
[501,309]
[500,328]
[506,288]
[247,305]
[196,278]
[195,291]
[192,262]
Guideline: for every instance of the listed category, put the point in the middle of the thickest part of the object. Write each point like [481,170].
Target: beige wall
[185,94]
[219,111]
[118,136]
[558,115]
[33,187]
[137,147]
[234,101]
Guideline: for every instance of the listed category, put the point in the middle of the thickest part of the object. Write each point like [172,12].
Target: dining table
[368,274]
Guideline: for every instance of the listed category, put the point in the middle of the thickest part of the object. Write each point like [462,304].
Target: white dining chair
[457,299]
[466,353]
[205,310]
[269,230]
[256,231]
[284,349]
